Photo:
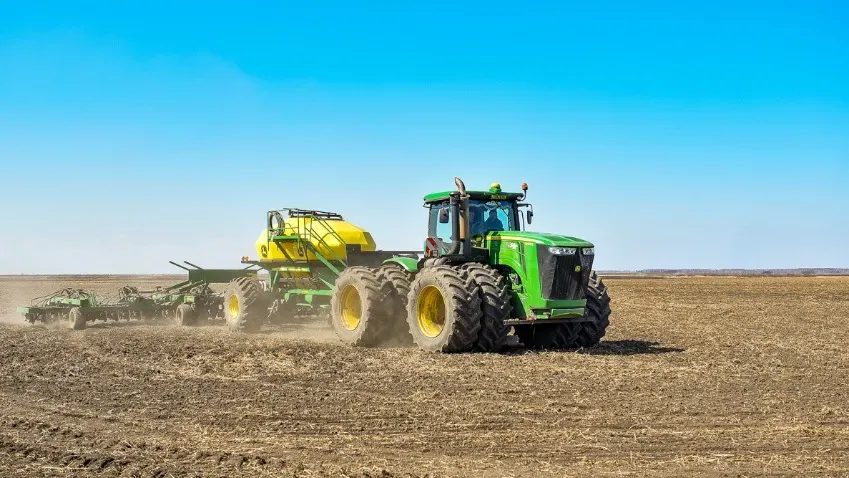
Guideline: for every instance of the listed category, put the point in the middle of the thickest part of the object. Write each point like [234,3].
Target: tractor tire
[184,316]
[435,261]
[76,319]
[444,310]
[360,307]
[245,306]
[400,280]
[547,336]
[496,299]
[591,332]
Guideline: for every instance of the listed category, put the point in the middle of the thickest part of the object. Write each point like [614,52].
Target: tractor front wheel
[444,310]
[244,307]
[597,312]
[360,309]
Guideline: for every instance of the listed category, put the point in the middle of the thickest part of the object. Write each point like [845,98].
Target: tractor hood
[542,238]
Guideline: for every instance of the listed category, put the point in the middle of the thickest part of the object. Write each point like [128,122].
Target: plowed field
[720,376]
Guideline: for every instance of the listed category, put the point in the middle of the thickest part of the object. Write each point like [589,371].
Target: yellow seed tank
[328,236]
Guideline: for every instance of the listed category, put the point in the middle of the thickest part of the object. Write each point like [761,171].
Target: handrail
[309,239]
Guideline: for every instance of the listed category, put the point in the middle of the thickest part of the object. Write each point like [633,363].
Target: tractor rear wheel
[591,331]
[244,306]
[495,297]
[400,280]
[444,310]
[185,315]
[76,319]
[360,309]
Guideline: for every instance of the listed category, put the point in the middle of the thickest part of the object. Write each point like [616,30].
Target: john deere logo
[577,268]
[264,251]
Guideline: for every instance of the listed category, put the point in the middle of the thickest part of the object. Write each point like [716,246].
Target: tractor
[479,275]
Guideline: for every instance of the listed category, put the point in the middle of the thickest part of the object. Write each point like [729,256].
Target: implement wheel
[444,310]
[244,307]
[76,319]
[360,307]
[185,315]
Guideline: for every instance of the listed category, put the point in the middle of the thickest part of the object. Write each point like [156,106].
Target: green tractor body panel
[541,238]
[518,253]
[493,195]
[408,263]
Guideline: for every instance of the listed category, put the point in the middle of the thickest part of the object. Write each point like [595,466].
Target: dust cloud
[12,318]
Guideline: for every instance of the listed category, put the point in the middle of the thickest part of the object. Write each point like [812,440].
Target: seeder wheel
[245,306]
[76,319]
[185,315]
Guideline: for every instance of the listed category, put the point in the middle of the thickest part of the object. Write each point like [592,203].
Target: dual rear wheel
[447,309]
[361,311]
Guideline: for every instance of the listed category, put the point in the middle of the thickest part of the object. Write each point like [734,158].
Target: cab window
[437,229]
[488,216]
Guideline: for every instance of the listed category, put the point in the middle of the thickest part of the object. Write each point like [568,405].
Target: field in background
[697,375]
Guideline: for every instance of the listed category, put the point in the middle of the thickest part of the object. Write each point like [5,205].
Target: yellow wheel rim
[430,311]
[233,305]
[352,310]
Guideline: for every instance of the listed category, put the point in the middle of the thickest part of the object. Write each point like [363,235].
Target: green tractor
[479,275]
[482,274]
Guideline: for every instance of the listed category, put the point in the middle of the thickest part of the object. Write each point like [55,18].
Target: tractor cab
[489,211]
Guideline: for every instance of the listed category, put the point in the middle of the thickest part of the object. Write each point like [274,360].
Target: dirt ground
[697,376]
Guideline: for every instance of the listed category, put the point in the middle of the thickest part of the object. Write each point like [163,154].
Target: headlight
[562,251]
[588,251]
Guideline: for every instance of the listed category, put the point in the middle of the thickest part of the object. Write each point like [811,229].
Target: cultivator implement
[189,302]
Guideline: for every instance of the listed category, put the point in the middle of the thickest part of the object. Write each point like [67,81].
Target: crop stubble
[697,375]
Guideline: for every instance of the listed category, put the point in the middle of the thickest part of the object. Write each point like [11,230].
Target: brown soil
[718,376]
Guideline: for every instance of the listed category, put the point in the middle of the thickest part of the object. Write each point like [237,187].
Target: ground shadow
[605,347]
[629,347]
[115,324]
[290,325]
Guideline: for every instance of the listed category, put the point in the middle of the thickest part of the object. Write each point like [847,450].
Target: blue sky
[699,135]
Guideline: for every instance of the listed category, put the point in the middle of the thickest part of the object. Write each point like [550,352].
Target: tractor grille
[558,277]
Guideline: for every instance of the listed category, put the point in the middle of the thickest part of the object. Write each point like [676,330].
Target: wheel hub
[233,305]
[430,311]
[352,312]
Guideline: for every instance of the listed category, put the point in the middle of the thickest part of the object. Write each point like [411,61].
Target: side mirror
[443,215]
[530,216]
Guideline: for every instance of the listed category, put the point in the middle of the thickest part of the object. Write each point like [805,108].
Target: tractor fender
[408,263]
